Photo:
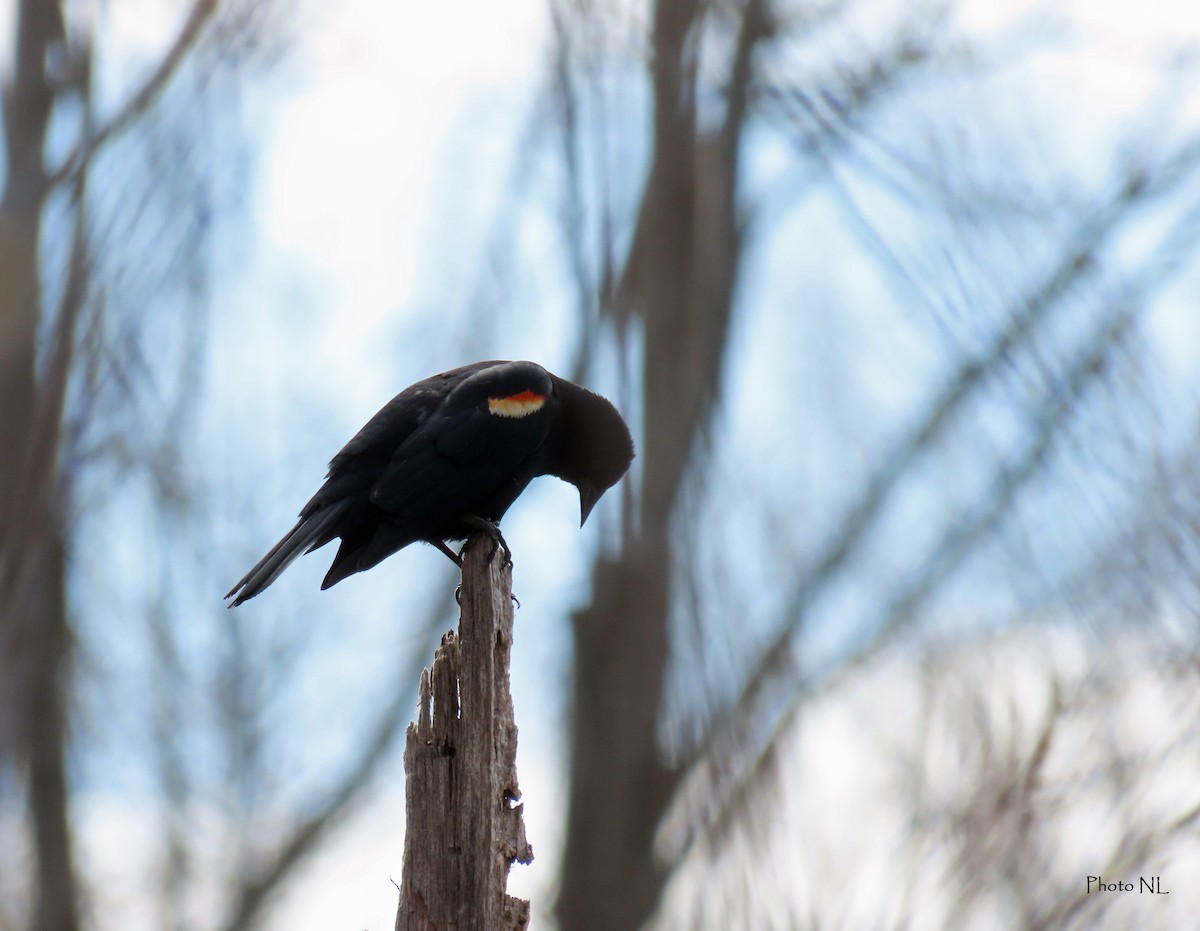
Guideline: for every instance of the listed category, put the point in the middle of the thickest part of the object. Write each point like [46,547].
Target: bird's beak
[589,494]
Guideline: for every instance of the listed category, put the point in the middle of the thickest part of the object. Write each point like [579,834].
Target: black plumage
[447,457]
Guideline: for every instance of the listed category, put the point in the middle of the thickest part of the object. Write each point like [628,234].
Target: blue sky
[388,142]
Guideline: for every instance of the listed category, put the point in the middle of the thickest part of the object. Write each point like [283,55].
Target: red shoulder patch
[521,404]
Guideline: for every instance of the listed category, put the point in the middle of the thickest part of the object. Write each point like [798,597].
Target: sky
[457,95]
[398,121]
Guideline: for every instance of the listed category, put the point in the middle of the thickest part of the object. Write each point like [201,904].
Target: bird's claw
[458,597]
[492,529]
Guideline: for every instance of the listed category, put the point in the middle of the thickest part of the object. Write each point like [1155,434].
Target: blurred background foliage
[893,624]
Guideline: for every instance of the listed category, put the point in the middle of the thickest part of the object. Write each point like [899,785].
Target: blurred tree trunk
[35,635]
[679,281]
[91,286]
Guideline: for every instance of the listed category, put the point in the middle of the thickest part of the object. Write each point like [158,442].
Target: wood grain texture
[465,827]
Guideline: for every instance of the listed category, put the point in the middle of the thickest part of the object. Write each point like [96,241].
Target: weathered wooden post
[464,824]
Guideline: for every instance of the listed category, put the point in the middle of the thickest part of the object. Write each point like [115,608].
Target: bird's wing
[367,455]
[457,460]
[397,420]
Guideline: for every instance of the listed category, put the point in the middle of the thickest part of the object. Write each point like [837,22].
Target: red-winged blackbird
[446,457]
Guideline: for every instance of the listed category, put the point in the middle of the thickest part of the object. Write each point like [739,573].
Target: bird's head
[596,447]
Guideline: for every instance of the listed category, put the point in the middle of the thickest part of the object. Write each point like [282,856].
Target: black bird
[447,457]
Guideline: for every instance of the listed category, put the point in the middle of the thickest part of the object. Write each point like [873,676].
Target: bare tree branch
[141,99]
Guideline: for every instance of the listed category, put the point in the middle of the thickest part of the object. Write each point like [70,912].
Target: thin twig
[202,11]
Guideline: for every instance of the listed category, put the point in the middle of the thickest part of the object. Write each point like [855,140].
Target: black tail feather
[308,534]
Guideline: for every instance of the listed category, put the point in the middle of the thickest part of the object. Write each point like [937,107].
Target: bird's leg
[454,557]
[492,529]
